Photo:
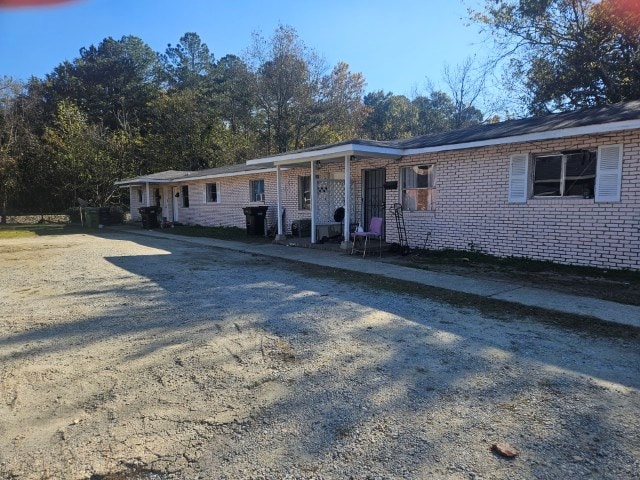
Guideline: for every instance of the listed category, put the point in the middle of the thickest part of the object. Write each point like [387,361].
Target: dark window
[139,190]
[256,188]
[304,192]
[565,175]
[185,196]
[212,192]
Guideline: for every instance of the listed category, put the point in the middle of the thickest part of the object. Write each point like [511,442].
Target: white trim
[314,199]
[279,200]
[609,173]
[233,174]
[531,137]
[337,152]
[518,186]
[206,193]
[189,178]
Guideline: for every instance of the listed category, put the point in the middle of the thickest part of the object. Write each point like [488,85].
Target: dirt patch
[143,358]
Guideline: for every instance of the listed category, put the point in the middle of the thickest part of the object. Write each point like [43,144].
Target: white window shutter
[609,173]
[519,178]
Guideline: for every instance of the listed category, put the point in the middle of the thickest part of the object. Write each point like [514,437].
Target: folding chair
[375,230]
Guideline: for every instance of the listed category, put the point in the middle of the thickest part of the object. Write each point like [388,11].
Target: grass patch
[16,233]
[621,286]
[26,231]
[444,257]
[219,233]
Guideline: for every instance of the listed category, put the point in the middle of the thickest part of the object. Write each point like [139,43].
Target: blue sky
[395,44]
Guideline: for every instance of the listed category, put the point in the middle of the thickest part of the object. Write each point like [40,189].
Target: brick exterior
[471,207]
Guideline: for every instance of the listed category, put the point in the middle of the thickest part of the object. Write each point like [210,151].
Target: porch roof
[175,176]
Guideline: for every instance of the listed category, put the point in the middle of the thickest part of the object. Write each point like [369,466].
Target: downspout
[280,237]
[346,243]
[313,201]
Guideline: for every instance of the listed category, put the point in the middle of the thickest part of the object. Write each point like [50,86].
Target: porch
[333,200]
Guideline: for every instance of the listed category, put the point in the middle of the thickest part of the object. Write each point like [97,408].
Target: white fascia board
[330,152]
[231,174]
[532,137]
[141,180]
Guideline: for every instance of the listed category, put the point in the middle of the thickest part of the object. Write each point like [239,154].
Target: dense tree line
[121,109]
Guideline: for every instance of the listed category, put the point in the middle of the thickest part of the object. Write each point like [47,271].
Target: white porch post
[148,196]
[346,244]
[313,201]
[280,237]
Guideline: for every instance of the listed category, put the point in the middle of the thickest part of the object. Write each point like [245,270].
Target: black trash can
[149,217]
[255,217]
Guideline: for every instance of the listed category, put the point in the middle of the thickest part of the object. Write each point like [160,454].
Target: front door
[374,194]
[175,195]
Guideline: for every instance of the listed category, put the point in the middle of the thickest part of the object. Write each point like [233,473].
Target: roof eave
[331,152]
[533,137]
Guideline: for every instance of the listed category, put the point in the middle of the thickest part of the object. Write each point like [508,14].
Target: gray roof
[176,175]
[618,112]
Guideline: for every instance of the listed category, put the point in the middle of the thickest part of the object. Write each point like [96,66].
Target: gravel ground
[128,357]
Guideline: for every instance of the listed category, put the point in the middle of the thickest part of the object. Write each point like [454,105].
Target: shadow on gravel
[352,365]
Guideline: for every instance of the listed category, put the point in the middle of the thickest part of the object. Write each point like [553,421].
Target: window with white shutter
[609,173]
[519,178]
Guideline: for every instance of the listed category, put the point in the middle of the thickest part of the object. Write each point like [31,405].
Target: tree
[390,116]
[9,125]
[113,82]
[86,158]
[187,64]
[466,87]
[567,54]
[298,103]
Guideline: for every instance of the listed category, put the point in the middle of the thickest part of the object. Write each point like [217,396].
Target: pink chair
[375,230]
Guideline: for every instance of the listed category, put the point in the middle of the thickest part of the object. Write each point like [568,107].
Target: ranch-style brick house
[564,188]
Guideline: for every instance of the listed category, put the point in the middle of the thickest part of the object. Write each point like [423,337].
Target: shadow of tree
[196,359]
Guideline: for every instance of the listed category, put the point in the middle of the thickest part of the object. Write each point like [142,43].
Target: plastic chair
[375,230]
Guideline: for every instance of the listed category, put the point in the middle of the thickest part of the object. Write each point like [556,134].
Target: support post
[346,244]
[280,236]
[313,201]
[148,196]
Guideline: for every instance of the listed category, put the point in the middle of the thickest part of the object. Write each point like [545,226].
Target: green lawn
[220,233]
[26,231]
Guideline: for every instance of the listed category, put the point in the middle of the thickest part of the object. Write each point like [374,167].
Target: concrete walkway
[510,292]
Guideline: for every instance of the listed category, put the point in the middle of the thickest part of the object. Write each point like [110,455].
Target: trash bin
[104,216]
[149,217]
[255,217]
[91,217]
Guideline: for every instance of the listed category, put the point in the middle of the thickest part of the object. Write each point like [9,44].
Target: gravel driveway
[124,356]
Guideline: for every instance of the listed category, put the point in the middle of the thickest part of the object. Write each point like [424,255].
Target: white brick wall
[471,207]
